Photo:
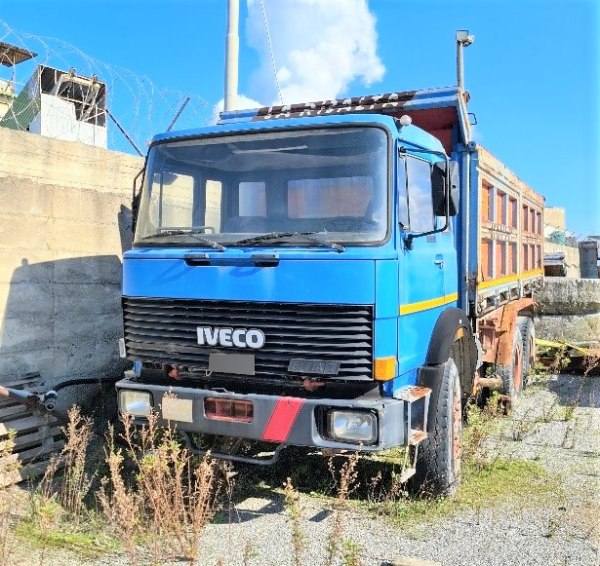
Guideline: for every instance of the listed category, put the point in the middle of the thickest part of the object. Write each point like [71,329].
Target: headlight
[356,427]
[136,403]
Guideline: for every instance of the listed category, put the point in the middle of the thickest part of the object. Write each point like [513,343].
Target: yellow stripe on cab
[428,304]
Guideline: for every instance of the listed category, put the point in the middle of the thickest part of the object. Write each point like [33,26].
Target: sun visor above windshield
[441,112]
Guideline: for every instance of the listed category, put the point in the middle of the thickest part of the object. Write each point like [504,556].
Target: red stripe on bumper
[282,419]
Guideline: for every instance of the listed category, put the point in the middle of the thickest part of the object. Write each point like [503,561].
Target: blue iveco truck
[341,274]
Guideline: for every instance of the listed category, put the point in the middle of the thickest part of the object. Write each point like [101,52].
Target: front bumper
[283,420]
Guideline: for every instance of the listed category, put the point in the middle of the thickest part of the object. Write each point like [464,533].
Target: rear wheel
[527,330]
[512,373]
[439,455]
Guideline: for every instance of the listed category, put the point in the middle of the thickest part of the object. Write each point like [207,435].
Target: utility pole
[232,49]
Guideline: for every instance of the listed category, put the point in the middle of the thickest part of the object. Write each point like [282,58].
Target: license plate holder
[241,364]
[174,409]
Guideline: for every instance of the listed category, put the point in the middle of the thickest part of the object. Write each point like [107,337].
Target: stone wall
[65,221]
[569,309]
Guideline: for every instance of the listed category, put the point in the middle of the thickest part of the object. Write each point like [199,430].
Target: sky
[532,72]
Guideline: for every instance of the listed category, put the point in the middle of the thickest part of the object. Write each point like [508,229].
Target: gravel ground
[556,424]
[565,531]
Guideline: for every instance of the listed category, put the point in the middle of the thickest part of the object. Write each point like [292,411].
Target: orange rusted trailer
[508,270]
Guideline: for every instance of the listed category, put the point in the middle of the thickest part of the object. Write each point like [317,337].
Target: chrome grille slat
[164,330]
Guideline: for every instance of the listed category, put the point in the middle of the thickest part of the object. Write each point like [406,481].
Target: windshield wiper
[192,233]
[274,236]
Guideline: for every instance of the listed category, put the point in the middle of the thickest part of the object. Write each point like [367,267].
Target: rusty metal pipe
[44,402]
[17,394]
[490,382]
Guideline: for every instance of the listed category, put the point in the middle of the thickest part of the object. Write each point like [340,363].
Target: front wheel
[439,455]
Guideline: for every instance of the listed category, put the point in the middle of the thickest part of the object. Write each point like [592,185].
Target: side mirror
[443,182]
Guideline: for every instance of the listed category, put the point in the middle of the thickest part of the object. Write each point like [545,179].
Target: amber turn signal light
[385,368]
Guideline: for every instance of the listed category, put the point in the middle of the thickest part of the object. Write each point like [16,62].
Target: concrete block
[569,327]
[564,296]
[24,232]
[87,300]
[81,329]
[18,363]
[85,362]
[66,163]
[66,203]
[25,332]
[100,269]
[24,197]
[102,208]
[84,238]
[19,265]
[26,298]
[64,223]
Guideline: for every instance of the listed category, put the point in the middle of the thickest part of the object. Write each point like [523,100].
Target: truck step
[413,393]
[416,437]
[416,408]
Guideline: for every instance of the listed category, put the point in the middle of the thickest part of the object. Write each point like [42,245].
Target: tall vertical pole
[232,49]
[463,39]
[460,69]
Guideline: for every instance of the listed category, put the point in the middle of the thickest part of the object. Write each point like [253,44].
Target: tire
[439,455]
[512,374]
[527,330]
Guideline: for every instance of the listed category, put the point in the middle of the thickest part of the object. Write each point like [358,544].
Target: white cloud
[242,102]
[319,46]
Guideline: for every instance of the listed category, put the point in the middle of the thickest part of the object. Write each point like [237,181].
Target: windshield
[309,188]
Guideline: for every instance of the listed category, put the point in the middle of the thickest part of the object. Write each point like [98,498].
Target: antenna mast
[232,49]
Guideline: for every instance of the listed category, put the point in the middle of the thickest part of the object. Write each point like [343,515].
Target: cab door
[421,263]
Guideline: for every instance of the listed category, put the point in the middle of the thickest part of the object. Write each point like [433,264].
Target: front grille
[165,331]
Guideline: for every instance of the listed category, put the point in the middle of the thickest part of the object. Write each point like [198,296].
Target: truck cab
[294,279]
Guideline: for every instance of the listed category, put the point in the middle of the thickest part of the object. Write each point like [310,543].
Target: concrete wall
[65,221]
[571,256]
[569,309]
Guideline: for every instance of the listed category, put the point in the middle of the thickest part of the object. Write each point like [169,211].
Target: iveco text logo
[231,337]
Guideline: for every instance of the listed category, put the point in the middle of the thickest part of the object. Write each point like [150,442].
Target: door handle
[439,261]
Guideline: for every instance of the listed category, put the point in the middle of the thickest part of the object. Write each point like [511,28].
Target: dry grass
[7,467]
[165,501]
[346,482]
[292,502]
[75,482]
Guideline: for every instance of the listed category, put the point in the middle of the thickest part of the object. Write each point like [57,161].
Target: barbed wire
[141,107]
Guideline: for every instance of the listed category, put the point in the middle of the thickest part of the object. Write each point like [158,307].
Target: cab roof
[411,134]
